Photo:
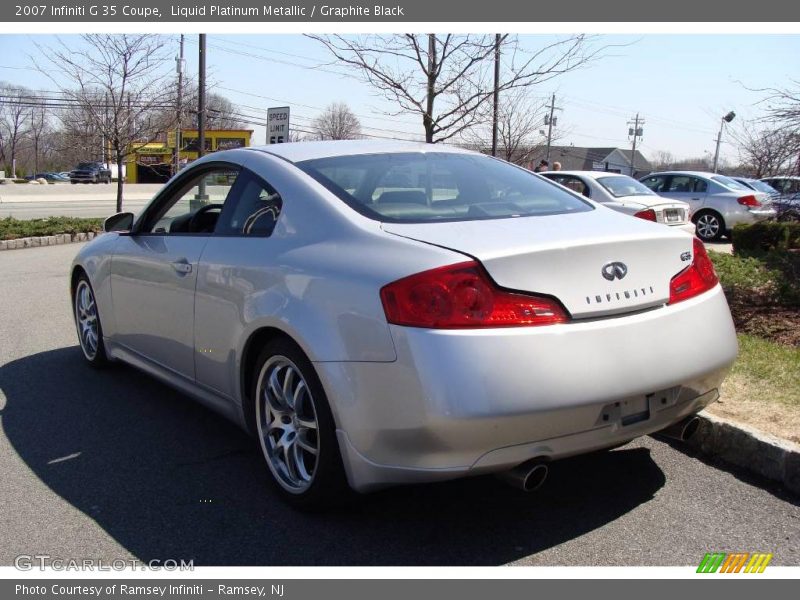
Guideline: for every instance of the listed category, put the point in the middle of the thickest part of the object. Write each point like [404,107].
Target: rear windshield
[419,187]
[621,185]
[760,186]
[730,183]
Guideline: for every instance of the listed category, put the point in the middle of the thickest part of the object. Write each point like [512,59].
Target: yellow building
[153,162]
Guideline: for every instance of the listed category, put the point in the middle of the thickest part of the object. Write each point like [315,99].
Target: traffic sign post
[278,125]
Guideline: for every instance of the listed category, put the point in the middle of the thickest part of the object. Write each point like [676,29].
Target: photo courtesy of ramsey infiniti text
[380,313]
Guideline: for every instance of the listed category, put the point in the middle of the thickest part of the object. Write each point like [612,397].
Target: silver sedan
[718,203]
[626,195]
[383,313]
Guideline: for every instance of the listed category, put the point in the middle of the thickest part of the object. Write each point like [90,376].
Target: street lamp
[726,119]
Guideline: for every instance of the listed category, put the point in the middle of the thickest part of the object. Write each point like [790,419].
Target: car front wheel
[87,321]
[295,428]
[709,226]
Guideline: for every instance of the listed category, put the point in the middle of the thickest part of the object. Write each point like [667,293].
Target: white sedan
[626,195]
[378,313]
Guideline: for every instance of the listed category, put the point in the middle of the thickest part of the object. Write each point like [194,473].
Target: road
[84,200]
[110,464]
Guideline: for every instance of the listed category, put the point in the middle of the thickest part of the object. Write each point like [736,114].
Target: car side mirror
[119,222]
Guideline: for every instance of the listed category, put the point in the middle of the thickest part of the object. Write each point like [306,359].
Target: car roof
[300,151]
[780,177]
[692,173]
[591,174]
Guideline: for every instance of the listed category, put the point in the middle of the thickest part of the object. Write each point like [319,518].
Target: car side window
[700,186]
[655,183]
[195,206]
[252,210]
[681,184]
[575,184]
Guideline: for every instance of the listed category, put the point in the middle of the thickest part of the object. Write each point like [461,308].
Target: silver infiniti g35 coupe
[383,313]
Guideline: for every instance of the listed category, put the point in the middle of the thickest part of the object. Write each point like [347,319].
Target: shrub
[11,228]
[765,237]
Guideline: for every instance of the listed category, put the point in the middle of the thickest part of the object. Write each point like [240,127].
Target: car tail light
[463,296]
[749,201]
[648,214]
[695,279]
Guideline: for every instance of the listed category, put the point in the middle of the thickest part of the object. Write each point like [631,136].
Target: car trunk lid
[596,263]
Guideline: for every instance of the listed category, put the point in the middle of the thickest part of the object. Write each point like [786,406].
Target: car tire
[709,226]
[295,428]
[87,323]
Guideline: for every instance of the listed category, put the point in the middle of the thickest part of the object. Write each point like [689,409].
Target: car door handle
[182,266]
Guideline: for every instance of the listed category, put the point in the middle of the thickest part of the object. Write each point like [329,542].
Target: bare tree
[663,160]
[697,163]
[337,122]
[37,131]
[783,105]
[221,113]
[447,79]
[520,120]
[766,150]
[14,110]
[119,82]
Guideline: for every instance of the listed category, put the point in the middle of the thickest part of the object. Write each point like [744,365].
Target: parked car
[717,202]
[758,186]
[379,313]
[49,177]
[787,185]
[626,195]
[90,172]
[787,203]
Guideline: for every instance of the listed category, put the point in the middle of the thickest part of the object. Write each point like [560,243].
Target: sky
[681,85]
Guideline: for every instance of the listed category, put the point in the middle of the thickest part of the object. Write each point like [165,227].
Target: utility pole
[496,92]
[201,116]
[635,131]
[550,120]
[179,108]
[105,150]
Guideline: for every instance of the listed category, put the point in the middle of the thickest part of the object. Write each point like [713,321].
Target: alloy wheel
[86,318]
[708,227]
[287,424]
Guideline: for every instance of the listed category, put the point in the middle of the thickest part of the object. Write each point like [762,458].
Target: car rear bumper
[463,402]
[749,216]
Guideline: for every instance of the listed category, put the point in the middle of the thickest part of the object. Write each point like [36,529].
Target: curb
[46,240]
[747,448]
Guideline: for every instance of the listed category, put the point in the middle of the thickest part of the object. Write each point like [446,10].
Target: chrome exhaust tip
[528,476]
[682,430]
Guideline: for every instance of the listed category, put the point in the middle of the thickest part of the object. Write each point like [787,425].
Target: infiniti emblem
[614,270]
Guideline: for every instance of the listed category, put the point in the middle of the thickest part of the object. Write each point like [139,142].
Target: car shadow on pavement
[773,487]
[169,479]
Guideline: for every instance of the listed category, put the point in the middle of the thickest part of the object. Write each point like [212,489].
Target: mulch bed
[776,323]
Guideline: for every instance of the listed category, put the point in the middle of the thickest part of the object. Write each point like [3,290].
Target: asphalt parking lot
[114,465]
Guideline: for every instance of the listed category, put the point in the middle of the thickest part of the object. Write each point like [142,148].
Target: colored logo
[736,562]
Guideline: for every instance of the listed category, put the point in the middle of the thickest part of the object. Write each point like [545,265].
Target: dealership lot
[113,465]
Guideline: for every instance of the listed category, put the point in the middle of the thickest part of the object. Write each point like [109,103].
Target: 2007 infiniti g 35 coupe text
[382,313]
